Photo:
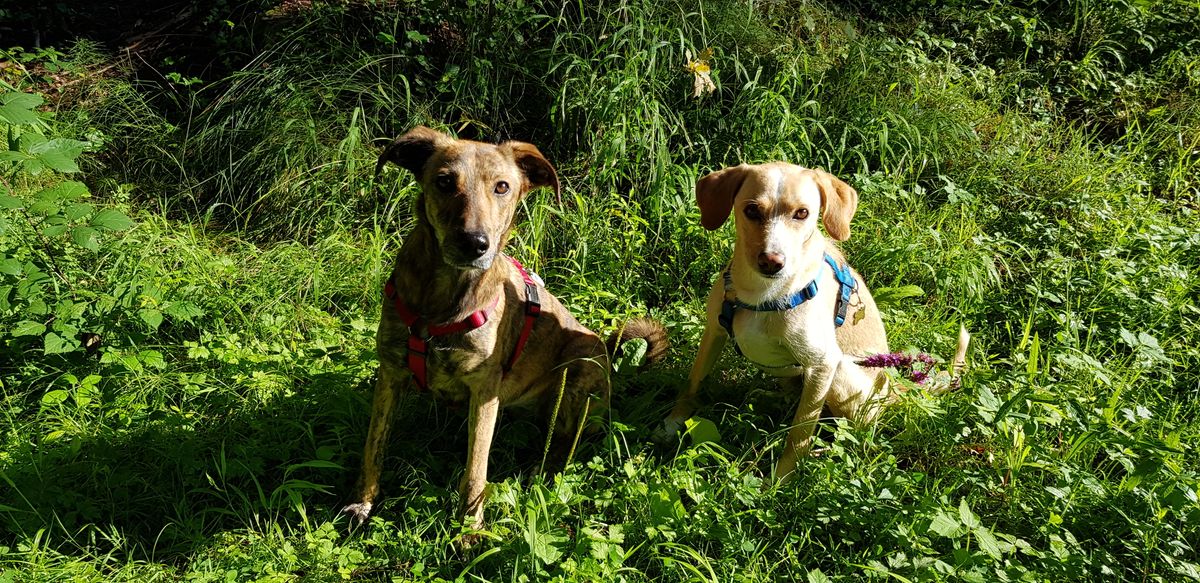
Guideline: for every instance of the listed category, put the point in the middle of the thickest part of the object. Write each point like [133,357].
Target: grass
[217,429]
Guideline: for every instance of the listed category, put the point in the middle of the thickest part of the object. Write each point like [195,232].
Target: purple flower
[918,365]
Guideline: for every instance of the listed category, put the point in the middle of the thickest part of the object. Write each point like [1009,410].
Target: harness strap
[533,309]
[846,284]
[419,334]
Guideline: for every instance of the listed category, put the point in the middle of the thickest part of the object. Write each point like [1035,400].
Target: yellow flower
[702,70]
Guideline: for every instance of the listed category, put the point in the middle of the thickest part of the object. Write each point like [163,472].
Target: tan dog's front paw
[358,512]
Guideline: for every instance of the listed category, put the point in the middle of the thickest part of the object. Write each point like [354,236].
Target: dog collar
[846,283]
[420,333]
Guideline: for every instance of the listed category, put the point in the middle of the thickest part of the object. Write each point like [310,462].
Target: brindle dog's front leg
[383,411]
[481,427]
[816,388]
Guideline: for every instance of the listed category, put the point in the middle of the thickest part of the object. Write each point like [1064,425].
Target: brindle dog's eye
[751,211]
[444,182]
[801,215]
[502,187]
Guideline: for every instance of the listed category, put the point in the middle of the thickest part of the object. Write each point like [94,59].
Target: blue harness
[846,283]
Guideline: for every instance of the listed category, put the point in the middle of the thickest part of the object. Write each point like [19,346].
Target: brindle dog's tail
[652,332]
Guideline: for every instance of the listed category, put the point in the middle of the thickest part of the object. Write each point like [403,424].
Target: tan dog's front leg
[711,345]
[812,399]
[481,427]
[383,411]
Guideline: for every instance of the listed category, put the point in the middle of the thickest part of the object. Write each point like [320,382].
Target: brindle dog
[450,269]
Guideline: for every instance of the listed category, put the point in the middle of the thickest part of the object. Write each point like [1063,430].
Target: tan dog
[469,324]
[780,320]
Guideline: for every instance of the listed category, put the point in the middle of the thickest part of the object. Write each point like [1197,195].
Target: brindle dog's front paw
[358,512]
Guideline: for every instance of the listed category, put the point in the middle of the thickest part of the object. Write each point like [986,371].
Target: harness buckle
[533,306]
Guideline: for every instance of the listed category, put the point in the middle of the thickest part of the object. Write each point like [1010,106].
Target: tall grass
[998,189]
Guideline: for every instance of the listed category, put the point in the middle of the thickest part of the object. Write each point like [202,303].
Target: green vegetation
[191,259]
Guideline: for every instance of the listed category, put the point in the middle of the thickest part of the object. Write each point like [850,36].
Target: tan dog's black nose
[770,263]
[473,244]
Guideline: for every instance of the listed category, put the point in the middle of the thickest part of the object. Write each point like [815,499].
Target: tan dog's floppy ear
[537,169]
[839,201]
[412,150]
[715,193]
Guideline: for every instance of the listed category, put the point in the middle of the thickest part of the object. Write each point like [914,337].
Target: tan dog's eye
[751,211]
[801,215]
[444,182]
[502,187]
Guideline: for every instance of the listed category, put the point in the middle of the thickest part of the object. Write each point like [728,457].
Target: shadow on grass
[161,491]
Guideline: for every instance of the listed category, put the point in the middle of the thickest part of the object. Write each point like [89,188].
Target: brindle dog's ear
[412,150]
[839,201]
[538,171]
[715,194]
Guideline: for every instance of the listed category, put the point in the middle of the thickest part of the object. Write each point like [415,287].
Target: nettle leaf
[44,207]
[59,154]
[946,525]
[28,328]
[151,317]
[56,344]
[79,210]
[987,541]
[968,518]
[86,237]
[112,220]
[186,311]
[66,190]
[543,544]
[18,108]
[816,576]
[10,202]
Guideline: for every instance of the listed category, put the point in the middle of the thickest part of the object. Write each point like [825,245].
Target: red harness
[418,339]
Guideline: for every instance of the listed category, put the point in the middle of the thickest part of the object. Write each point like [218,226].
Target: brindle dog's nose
[770,263]
[473,244]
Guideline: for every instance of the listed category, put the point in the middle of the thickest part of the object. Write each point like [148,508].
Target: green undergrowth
[190,274]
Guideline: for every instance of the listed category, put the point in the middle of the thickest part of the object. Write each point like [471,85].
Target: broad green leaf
[54,230]
[968,518]
[816,576]
[182,310]
[544,545]
[85,237]
[10,202]
[17,108]
[111,220]
[66,190]
[79,210]
[890,295]
[44,207]
[665,504]
[56,344]
[946,525]
[27,328]
[702,430]
[10,266]
[55,397]
[988,543]
[59,160]
[151,317]
[19,99]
